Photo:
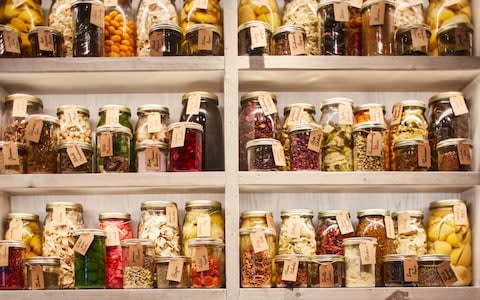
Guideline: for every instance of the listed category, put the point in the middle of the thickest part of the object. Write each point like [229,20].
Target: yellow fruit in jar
[36,244]
[441,247]
[455,239]
[262,10]
[10,11]
[245,14]
[467,10]
[30,254]
[19,24]
[467,238]
[465,258]
[464,275]
[445,15]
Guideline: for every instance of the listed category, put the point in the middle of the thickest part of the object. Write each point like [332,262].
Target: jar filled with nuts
[304,13]
[203,40]
[305,147]
[60,18]
[42,134]
[151,156]
[289,40]
[16,109]
[10,42]
[297,234]
[74,124]
[138,264]
[455,155]
[196,12]
[152,123]
[408,13]
[410,234]
[378,34]
[120,30]
[259,10]
[13,161]
[411,155]
[113,149]
[24,227]
[254,38]
[75,157]
[369,145]
[88,28]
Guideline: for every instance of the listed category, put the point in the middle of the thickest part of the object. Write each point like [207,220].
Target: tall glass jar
[61,221]
[455,155]
[446,236]
[338,264]
[193,12]
[328,235]
[297,234]
[60,18]
[113,149]
[10,49]
[334,28]
[427,270]
[16,109]
[74,124]
[255,123]
[49,270]
[256,258]
[301,278]
[138,264]
[303,157]
[258,10]
[70,160]
[24,227]
[208,262]
[120,33]
[358,274]
[88,30]
[410,235]
[151,156]
[257,219]
[371,223]
[90,266]
[260,155]
[378,36]
[304,13]
[186,156]
[152,123]
[208,115]
[10,165]
[42,145]
[337,145]
[159,224]
[11,274]
[163,276]
[369,146]
[407,157]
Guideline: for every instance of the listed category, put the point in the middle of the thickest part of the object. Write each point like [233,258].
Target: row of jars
[158,234]
[64,144]
[396,236]
[355,138]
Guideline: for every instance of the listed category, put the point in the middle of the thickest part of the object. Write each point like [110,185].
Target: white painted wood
[473,196]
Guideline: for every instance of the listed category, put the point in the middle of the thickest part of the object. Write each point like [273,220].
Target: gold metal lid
[328,258]
[203,204]
[255,95]
[198,242]
[149,143]
[303,126]
[331,213]
[30,99]
[288,28]
[153,108]
[409,142]
[203,95]
[369,125]
[166,259]
[114,215]
[67,205]
[446,203]
[82,145]
[412,103]
[45,28]
[367,106]
[152,205]
[373,212]
[115,129]
[198,27]
[336,100]
[454,142]
[262,142]
[188,125]
[13,244]
[143,242]
[165,27]
[454,25]
[44,118]
[444,96]
[296,212]
[266,231]
[94,231]
[22,216]
[255,213]
[368,3]
[121,108]
[397,257]
[433,257]
[306,106]
[255,23]
[43,260]
[413,26]
[411,213]
[358,240]
[82,109]
[285,257]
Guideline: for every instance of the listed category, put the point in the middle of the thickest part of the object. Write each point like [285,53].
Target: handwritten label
[356,3]
[205,39]
[325,270]
[424,155]
[377,13]
[193,104]
[460,214]
[12,43]
[295,114]
[446,273]
[106,144]
[419,37]
[10,154]
[410,269]
[290,269]
[267,104]
[71,117]
[113,235]
[389,227]
[178,136]
[459,106]
[152,159]
[464,154]
[201,4]
[45,40]
[154,122]
[367,253]
[374,144]
[270,222]
[157,44]
[396,114]
[111,116]
[110,3]
[345,114]
[462,39]
[259,241]
[59,215]
[172,215]
[340,10]
[258,37]
[3,255]
[294,227]
[203,226]
[76,155]
[83,243]
[344,223]
[135,255]
[403,223]
[19,108]
[279,155]
[296,43]
[376,114]
[16,229]
[315,140]
[174,270]
[97,15]
[33,132]
[201,259]
[38,281]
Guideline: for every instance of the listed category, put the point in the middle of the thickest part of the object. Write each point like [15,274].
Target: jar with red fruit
[329,236]
[208,262]
[12,265]
[185,144]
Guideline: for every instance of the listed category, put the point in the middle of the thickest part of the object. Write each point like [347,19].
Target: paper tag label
[376,114]
[356,3]
[154,122]
[367,253]
[97,15]
[203,226]
[403,223]
[270,222]
[45,40]
[135,255]
[201,4]
[17,3]
[259,241]
[374,144]
[460,213]
[279,155]
[71,117]
[377,14]
[12,43]
[157,44]
[464,154]
[344,223]
[462,39]
[201,259]
[340,10]
[10,154]
[113,235]
[446,273]
[76,155]
[258,37]
[451,2]
[267,104]
[59,215]
[290,270]
[296,43]
[38,281]
[110,3]
[106,144]
[295,114]
[419,37]
[345,114]
[205,39]
[315,140]
[111,116]
[325,270]
[459,106]
[172,215]
[33,132]
[410,269]
[19,108]
[294,227]
[16,229]
[175,270]
[397,111]
[193,104]
[424,155]
[152,159]
[178,136]
[83,243]
[389,227]
[3,255]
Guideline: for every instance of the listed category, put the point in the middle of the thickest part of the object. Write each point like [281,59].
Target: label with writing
[16,229]
[367,253]
[135,255]
[340,10]
[267,104]
[178,136]
[403,221]
[45,40]
[193,104]
[290,269]
[356,3]
[270,222]
[258,37]
[201,259]
[59,215]
[110,3]
[294,227]
[174,270]
[374,144]
[259,241]
[172,215]
[113,235]
[424,155]
[152,159]
[205,39]
[279,155]
[295,115]
[19,108]
[71,117]
[18,3]
[396,114]
[419,37]
[83,243]
[325,270]
[154,122]
[12,43]
[76,155]
[458,104]
[460,214]
[203,226]
[111,116]
[157,44]
[10,154]
[376,114]
[410,269]
[34,130]
[3,255]
[38,281]
[446,273]
[97,15]
[464,154]
[377,13]
[389,228]
[106,144]
[201,4]
[462,39]
[296,43]
[315,140]
[344,223]
[345,114]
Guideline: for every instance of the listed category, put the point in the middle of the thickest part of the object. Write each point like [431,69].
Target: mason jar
[165,40]
[299,12]
[260,155]
[455,39]
[16,159]
[358,274]
[302,157]
[46,42]
[74,124]
[88,32]
[60,18]
[151,156]
[90,266]
[301,280]
[407,44]
[165,280]
[289,40]
[455,155]
[410,237]
[12,275]
[208,262]
[16,109]
[46,267]
[338,265]
[113,149]
[297,233]
[369,146]
[153,120]
[333,29]
[186,156]
[24,227]
[10,50]
[266,11]
[407,156]
[120,31]
[203,40]
[394,270]
[138,263]
[114,115]
[378,36]
[42,145]
[428,275]
[255,38]
[257,219]
[328,235]
[70,157]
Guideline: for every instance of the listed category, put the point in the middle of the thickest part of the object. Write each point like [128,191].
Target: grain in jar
[334,18]
[12,272]
[289,40]
[359,269]
[113,149]
[455,155]
[90,259]
[46,42]
[185,144]
[12,158]
[455,40]
[196,12]
[75,157]
[304,13]
[255,38]
[260,10]
[120,39]
[285,275]
[329,234]
[400,270]
[88,28]
[412,40]
[257,219]
[428,275]
[297,234]
[327,271]
[378,30]
[9,42]
[261,155]
[305,147]
[369,147]
[208,262]
[16,109]
[41,133]
[411,155]
[173,272]
[410,234]
[203,40]
[74,124]
[151,156]
[46,268]
[165,40]
[60,18]
[24,227]
[138,264]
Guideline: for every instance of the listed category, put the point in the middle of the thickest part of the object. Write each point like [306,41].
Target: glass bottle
[11,275]
[42,153]
[24,227]
[138,264]
[14,121]
[88,32]
[410,237]
[258,10]
[328,235]
[60,18]
[378,36]
[208,262]
[50,270]
[186,157]
[356,273]
[297,234]
[113,149]
[369,146]
[120,32]
[90,267]
[304,13]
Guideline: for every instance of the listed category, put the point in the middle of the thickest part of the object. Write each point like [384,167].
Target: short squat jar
[12,48]
[113,149]
[334,32]
[203,40]
[257,219]
[302,157]
[289,40]
[358,274]
[369,147]
[328,236]
[138,264]
[260,155]
[377,34]
[301,278]
[186,156]
[151,156]
[338,274]
[70,158]
[428,275]
[74,124]
[208,262]
[87,31]
[297,233]
[46,267]
[394,270]
[407,156]
[407,42]
[8,163]
[254,38]
[11,274]
[14,121]
[46,42]
[455,40]
[165,40]
[177,279]
[114,115]
[153,120]
[90,267]
[455,155]
[42,152]
[410,238]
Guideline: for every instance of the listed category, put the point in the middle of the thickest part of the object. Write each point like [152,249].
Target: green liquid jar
[90,268]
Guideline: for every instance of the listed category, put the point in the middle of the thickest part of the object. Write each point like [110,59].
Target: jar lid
[166,259]
[43,260]
[413,103]
[151,144]
[114,129]
[409,142]
[397,257]
[198,27]
[84,146]
[114,215]
[446,203]
[454,25]
[358,240]
[143,242]
[153,108]
[147,205]
[165,27]
[20,146]
[328,258]
[30,99]
[198,242]
[94,231]
[266,231]
[296,212]
[22,216]
[255,23]
[444,96]
[255,213]
[261,142]
[288,28]
[9,28]
[373,212]
[306,106]
[322,3]
[302,126]
[433,257]
[97,2]
[371,2]
[255,95]
[284,257]
[67,205]
[121,108]
[203,204]
[411,213]
[454,142]
[188,125]
[13,244]
[45,28]
[413,26]
[336,100]
[331,213]
[79,108]
[44,118]
[367,106]
[203,95]
[369,125]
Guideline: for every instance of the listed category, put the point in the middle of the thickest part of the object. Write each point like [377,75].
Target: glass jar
[302,157]
[442,13]
[208,262]
[251,40]
[188,157]
[427,270]
[74,124]
[369,146]
[257,219]
[24,227]
[289,40]
[60,18]
[377,34]
[23,16]
[119,28]
[147,127]
[328,235]
[14,120]
[49,270]
[337,145]
[114,115]
[117,226]
[90,267]
[304,13]
[407,14]
[410,237]
[166,40]
[158,226]
[11,165]
[254,123]
[302,273]
[175,280]
[138,264]
[455,155]
[10,42]
[258,10]
[46,42]
[11,275]
[256,265]
[333,29]
[455,40]
[297,234]
[407,44]
[356,273]
[70,158]
[407,157]
[338,265]
[203,40]
[203,218]
[209,117]
[88,32]
[42,153]
[447,237]
[150,13]
[61,221]
[151,156]
[192,14]
[394,268]
[371,223]
[260,155]
[113,149]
